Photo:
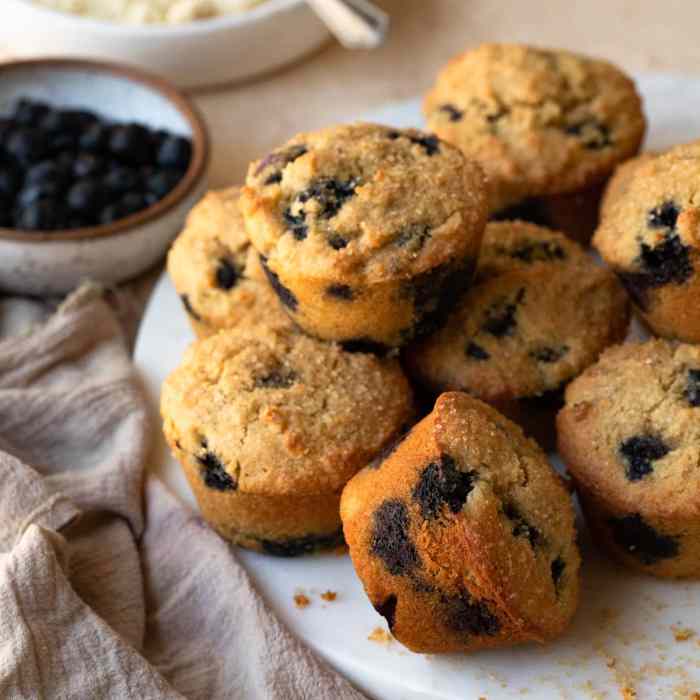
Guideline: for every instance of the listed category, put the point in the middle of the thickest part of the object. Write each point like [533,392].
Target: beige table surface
[246,120]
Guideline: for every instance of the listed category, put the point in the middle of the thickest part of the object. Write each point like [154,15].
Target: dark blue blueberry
[390,539]
[476,352]
[549,355]
[640,452]
[87,165]
[133,202]
[299,546]
[664,216]
[641,541]
[366,345]
[132,143]
[214,473]
[464,614]
[340,291]
[538,251]
[296,223]
[188,305]
[280,159]
[280,378]
[521,528]
[161,182]
[387,609]
[557,569]
[33,193]
[6,218]
[442,483]
[692,387]
[29,112]
[95,138]
[429,142]
[41,215]
[227,274]
[111,213]
[68,120]
[174,152]
[10,180]
[27,145]
[452,112]
[593,134]
[337,242]
[500,318]
[120,178]
[46,171]
[286,296]
[86,196]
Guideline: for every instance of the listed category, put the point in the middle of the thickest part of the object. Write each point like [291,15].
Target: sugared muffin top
[275,412]
[539,311]
[539,121]
[364,201]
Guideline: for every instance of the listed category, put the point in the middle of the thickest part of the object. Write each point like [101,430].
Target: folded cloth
[108,586]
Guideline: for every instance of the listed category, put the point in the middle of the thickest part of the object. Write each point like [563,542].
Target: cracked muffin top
[539,121]
[463,536]
[364,202]
[216,271]
[539,311]
[279,413]
[631,428]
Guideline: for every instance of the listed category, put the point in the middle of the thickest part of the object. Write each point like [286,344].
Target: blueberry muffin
[463,536]
[216,271]
[619,182]
[269,424]
[539,312]
[368,234]
[651,238]
[630,437]
[542,124]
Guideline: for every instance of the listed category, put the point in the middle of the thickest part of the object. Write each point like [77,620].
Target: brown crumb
[330,596]
[682,634]
[301,601]
[628,693]
[380,635]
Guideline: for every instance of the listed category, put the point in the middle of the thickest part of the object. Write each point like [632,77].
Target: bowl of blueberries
[99,165]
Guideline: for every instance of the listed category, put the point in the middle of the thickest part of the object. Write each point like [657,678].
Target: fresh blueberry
[10,180]
[68,120]
[45,171]
[29,113]
[85,196]
[27,145]
[131,143]
[95,138]
[87,165]
[34,192]
[132,202]
[41,215]
[162,181]
[120,178]
[110,214]
[5,214]
[174,152]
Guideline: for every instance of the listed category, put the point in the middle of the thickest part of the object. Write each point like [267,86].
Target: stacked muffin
[357,253]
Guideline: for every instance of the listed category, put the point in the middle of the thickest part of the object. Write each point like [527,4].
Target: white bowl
[55,262]
[203,52]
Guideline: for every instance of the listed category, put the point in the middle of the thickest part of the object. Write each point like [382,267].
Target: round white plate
[624,634]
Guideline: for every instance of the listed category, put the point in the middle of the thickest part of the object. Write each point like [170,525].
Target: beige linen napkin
[109,588]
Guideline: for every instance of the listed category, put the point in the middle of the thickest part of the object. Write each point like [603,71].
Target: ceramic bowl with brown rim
[55,262]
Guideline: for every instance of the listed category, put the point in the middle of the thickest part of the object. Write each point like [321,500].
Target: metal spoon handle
[357,24]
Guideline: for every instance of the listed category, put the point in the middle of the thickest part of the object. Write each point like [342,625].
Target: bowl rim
[202,26]
[191,179]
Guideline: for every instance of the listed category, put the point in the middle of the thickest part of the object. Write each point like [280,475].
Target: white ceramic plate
[623,635]
[205,52]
